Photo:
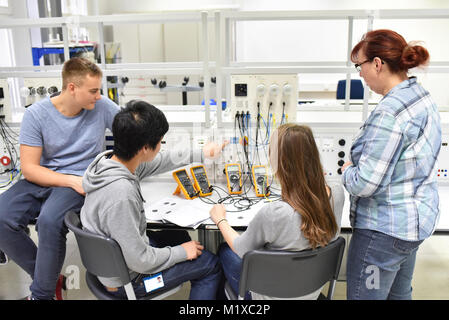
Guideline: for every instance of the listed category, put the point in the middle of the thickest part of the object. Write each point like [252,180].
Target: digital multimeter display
[260,181]
[260,170]
[185,180]
[234,182]
[233,173]
[201,178]
[233,169]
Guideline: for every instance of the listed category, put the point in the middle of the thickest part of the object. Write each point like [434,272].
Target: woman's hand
[347,164]
[217,213]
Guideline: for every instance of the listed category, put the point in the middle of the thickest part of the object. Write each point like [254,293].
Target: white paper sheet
[182,212]
[192,213]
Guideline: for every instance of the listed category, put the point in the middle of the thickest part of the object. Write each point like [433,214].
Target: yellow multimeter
[260,178]
[184,184]
[234,178]
[200,180]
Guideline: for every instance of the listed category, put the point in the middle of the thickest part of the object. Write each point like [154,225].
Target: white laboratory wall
[323,40]
[4,8]
[139,6]
[5,54]
[275,40]
[162,42]
[340,4]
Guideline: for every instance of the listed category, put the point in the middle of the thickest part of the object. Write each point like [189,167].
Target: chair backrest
[100,255]
[356,91]
[288,274]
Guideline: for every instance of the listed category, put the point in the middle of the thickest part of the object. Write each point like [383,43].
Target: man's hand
[213,150]
[76,183]
[35,173]
[193,249]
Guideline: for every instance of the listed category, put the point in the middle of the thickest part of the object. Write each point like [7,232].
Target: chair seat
[102,293]
[230,294]
[290,274]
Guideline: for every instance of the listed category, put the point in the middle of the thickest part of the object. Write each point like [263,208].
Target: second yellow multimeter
[260,178]
[234,178]
[184,184]
[201,182]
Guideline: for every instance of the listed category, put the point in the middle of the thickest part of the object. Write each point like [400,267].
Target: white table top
[154,190]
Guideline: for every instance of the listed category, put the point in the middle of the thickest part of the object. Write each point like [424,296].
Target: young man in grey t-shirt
[59,137]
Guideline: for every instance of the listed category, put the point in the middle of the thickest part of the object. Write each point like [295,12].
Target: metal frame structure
[179,68]
[225,63]
[225,36]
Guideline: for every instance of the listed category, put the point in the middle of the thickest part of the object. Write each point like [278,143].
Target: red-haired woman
[392,177]
[308,216]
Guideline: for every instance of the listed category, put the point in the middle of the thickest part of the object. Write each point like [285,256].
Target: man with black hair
[114,206]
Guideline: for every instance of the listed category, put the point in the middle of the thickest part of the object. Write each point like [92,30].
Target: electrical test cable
[10,139]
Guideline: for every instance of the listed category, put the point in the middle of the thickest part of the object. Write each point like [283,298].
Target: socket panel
[334,146]
[236,152]
[36,89]
[334,151]
[5,156]
[5,101]
[275,94]
[443,161]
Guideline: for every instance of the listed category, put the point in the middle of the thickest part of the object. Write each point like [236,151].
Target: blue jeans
[379,266]
[21,204]
[204,274]
[232,266]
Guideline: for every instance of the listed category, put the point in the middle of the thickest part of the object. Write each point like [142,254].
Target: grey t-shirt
[69,144]
[277,226]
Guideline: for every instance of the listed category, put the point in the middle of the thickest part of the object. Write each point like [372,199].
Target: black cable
[5,133]
[283,112]
[257,131]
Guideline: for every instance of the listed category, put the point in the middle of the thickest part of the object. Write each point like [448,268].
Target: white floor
[431,278]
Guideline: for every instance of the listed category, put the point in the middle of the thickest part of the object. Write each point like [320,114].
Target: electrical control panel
[35,89]
[5,157]
[5,101]
[272,96]
[334,148]
[333,143]
[9,147]
[443,161]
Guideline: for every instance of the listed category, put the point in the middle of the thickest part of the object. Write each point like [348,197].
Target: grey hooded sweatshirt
[114,208]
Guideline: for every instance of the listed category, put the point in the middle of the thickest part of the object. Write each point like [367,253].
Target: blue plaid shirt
[392,182]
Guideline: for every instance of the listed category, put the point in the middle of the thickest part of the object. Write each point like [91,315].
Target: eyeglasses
[358,66]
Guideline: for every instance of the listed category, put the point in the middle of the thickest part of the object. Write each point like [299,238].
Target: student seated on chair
[114,206]
[308,215]
[59,136]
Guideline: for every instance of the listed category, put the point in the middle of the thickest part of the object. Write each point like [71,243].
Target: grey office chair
[288,274]
[102,256]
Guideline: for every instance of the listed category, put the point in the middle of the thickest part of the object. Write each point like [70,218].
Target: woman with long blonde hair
[308,215]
